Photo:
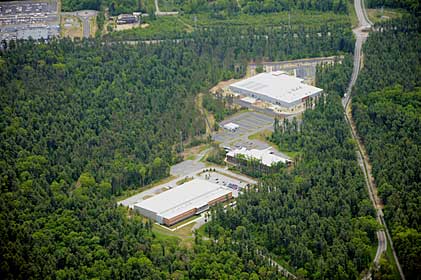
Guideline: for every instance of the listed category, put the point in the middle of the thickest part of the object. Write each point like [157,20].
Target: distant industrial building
[127,19]
[231,127]
[288,93]
[182,202]
[266,157]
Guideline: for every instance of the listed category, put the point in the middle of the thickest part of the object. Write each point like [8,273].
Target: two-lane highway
[383,236]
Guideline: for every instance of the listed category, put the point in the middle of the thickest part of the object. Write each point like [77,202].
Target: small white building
[231,126]
[288,92]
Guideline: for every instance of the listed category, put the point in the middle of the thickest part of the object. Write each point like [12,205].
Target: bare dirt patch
[120,27]
[223,84]
[71,26]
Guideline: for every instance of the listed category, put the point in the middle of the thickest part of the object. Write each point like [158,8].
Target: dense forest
[334,78]
[387,112]
[82,121]
[272,43]
[316,218]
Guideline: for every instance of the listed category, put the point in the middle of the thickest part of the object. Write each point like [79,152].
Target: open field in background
[377,15]
[173,26]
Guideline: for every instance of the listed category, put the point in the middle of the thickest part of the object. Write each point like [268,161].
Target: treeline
[387,112]
[219,105]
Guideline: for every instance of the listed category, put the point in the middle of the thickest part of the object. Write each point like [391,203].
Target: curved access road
[383,236]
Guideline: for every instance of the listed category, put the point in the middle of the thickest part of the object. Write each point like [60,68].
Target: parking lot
[26,7]
[249,122]
[235,184]
[22,20]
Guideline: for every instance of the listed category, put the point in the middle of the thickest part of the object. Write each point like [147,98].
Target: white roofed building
[287,92]
[183,201]
[231,126]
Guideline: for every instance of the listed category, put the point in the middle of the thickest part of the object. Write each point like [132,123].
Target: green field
[182,25]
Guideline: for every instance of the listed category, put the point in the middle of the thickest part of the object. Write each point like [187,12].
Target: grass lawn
[183,236]
[261,136]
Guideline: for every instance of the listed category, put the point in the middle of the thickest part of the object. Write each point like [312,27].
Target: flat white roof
[277,85]
[265,155]
[192,194]
[231,126]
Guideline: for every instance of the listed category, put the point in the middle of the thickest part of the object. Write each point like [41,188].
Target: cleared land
[71,26]
[177,25]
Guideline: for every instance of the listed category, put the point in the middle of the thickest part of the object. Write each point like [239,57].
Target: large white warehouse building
[183,201]
[278,88]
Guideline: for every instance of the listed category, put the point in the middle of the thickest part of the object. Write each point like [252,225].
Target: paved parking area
[249,122]
[25,19]
[235,184]
[186,167]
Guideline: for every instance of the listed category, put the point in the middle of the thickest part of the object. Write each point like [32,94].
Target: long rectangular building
[277,88]
[183,201]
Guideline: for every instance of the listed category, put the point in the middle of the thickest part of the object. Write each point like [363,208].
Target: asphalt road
[383,236]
